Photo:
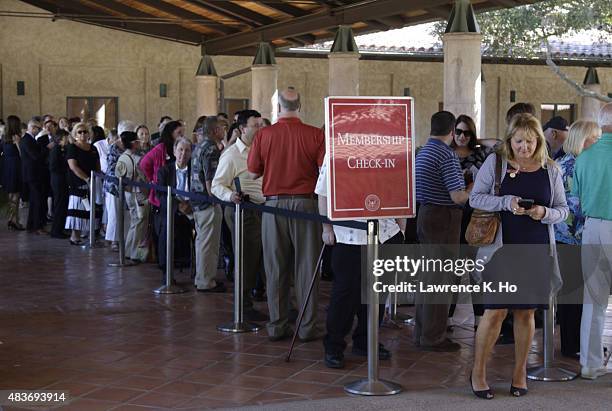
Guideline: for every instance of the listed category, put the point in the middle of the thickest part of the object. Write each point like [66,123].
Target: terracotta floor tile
[259,383]
[139,382]
[113,394]
[299,388]
[74,388]
[129,407]
[271,396]
[206,377]
[231,393]
[316,377]
[183,388]
[89,405]
[158,399]
[200,403]
[272,372]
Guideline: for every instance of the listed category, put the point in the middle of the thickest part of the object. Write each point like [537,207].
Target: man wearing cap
[136,200]
[288,155]
[555,131]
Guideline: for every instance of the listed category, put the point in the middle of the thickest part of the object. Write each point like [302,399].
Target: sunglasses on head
[467,133]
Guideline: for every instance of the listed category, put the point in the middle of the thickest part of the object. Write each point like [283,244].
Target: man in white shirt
[233,164]
[345,301]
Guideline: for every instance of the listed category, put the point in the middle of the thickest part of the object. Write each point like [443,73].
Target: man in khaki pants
[207,216]
[288,154]
[232,165]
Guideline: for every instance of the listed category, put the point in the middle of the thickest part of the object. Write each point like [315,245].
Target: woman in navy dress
[530,260]
[11,170]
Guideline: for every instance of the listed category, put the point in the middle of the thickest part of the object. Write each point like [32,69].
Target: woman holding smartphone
[531,200]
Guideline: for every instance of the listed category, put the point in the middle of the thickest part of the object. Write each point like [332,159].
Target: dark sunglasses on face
[467,133]
[82,132]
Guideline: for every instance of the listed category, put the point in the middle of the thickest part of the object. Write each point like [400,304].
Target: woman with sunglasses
[82,160]
[471,157]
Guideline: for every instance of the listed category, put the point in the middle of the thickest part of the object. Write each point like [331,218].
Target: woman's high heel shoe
[12,226]
[516,391]
[484,394]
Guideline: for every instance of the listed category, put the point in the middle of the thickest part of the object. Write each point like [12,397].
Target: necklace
[516,171]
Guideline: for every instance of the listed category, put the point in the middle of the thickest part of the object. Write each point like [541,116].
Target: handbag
[483,224]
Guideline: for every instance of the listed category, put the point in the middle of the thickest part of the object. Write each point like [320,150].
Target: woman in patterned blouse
[471,156]
[582,134]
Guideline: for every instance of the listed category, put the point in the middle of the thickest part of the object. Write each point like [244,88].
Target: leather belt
[290,196]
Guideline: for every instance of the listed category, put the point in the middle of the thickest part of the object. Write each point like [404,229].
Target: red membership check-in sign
[370,146]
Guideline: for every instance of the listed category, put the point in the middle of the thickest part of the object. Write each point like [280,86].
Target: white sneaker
[592,373]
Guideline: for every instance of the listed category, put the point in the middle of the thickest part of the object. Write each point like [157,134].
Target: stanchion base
[401,317]
[238,327]
[170,289]
[97,244]
[542,373]
[376,387]
[127,263]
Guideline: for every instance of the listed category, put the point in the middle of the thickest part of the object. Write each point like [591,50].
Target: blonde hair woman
[531,200]
[582,134]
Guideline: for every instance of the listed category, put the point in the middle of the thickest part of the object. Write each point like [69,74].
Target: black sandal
[77,242]
[517,392]
[483,394]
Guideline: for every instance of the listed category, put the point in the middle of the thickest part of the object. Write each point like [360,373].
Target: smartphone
[526,203]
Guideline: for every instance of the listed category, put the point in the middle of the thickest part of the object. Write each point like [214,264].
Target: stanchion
[121,229]
[372,385]
[239,325]
[394,315]
[548,371]
[92,243]
[169,288]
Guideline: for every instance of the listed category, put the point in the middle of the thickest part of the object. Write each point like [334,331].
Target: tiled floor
[69,322]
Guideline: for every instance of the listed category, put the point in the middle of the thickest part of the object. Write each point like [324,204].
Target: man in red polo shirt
[288,155]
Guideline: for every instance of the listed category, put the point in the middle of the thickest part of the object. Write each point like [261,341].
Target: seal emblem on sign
[372,202]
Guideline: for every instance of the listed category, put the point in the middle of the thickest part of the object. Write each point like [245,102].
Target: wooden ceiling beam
[325,19]
[165,31]
[188,16]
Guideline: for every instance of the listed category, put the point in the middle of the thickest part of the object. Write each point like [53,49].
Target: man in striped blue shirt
[440,193]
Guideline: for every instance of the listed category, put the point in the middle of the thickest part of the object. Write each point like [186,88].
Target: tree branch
[579,87]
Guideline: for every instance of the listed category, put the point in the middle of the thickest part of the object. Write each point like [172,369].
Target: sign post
[369,141]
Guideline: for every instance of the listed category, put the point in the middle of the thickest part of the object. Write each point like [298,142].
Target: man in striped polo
[440,193]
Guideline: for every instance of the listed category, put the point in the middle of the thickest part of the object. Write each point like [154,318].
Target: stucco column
[344,64]
[207,88]
[264,85]
[343,74]
[589,106]
[264,81]
[207,96]
[462,75]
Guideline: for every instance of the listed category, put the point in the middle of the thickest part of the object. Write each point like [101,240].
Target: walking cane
[303,309]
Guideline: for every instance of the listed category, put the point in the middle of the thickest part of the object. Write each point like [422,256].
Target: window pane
[566,111]
[548,112]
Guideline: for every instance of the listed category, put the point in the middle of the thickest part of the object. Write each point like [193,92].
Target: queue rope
[247,205]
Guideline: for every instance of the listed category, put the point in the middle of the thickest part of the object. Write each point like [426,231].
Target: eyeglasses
[467,133]
[82,132]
